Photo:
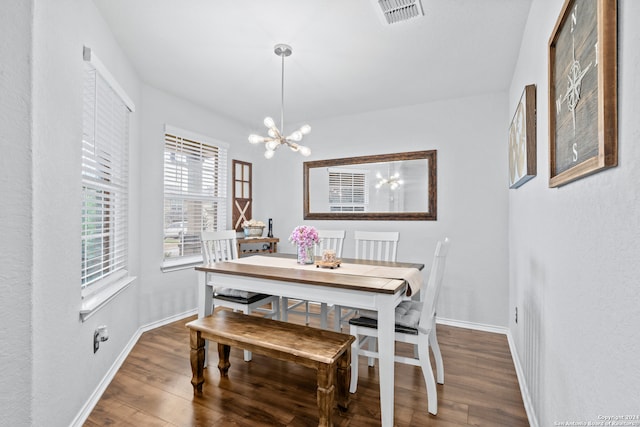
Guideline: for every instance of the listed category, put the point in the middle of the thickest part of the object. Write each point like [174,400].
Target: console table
[262,241]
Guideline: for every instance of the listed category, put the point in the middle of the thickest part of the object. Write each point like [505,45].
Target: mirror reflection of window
[400,186]
[348,190]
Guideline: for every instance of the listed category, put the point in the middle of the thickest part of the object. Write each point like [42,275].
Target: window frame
[105,170]
[217,198]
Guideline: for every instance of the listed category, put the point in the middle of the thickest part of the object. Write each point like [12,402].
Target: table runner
[412,276]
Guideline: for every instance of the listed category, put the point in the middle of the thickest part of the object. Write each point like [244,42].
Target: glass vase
[305,254]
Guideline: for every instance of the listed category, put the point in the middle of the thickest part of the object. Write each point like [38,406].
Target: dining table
[361,284]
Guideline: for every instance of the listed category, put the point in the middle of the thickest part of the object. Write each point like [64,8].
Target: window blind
[105,180]
[195,191]
[348,191]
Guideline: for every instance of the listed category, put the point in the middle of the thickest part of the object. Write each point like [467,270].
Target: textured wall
[574,252]
[63,357]
[15,213]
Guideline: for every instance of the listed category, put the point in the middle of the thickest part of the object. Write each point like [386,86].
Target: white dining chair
[373,246]
[376,245]
[329,239]
[415,324]
[220,246]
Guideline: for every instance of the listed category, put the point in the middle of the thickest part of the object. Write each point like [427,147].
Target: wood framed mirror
[398,186]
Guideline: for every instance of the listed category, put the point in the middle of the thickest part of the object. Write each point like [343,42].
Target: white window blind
[105,178]
[195,192]
[348,191]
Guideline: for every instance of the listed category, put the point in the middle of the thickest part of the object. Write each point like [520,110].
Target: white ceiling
[219,53]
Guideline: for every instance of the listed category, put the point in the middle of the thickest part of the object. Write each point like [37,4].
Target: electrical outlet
[100,334]
[516,314]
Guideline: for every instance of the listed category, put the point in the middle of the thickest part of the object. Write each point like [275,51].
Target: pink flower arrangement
[304,235]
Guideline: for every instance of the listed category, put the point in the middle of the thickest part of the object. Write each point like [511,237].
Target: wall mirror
[399,186]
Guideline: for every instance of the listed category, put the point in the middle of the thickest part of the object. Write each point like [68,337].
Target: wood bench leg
[196,355]
[223,359]
[344,380]
[326,391]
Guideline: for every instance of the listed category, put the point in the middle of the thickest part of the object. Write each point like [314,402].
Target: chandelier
[393,181]
[276,136]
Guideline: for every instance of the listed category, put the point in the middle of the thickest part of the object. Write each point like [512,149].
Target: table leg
[326,392]
[386,350]
[197,360]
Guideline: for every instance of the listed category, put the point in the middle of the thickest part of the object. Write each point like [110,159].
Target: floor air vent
[400,10]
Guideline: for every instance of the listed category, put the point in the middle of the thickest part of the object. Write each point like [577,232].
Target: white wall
[57,345]
[166,294]
[470,135]
[573,265]
[15,213]
[65,370]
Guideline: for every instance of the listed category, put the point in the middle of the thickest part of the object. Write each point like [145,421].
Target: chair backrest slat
[434,284]
[219,246]
[376,245]
[330,239]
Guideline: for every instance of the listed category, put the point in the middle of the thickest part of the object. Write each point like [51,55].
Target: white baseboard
[472,325]
[524,390]
[168,320]
[106,380]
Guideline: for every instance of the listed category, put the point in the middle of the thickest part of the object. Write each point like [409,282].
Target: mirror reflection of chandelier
[393,181]
[276,137]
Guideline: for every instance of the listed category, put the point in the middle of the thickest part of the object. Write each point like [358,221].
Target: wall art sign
[583,129]
[522,139]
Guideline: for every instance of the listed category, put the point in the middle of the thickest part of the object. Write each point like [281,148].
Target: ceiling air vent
[400,10]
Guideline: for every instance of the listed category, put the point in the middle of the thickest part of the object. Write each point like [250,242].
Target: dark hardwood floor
[152,388]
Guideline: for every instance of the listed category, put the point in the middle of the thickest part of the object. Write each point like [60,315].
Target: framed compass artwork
[522,139]
[583,129]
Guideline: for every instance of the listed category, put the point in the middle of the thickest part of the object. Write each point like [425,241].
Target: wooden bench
[328,352]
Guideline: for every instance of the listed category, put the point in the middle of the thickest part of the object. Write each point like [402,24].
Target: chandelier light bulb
[305,151]
[271,145]
[268,122]
[296,136]
[255,139]
[269,154]
[305,129]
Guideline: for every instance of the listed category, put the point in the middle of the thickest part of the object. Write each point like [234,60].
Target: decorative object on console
[522,139]
[305,237]
[276,137]
[270,233]
[583,116]
[253,228]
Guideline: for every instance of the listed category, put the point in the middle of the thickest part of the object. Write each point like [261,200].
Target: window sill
[181,263]
[94,301]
